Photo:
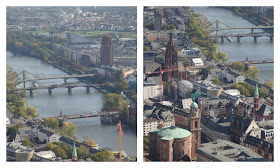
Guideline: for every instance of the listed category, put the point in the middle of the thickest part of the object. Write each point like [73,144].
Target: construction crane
[120,139]
[169,69]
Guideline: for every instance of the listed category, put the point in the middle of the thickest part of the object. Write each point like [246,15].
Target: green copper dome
[194,104]
[174,132]
[256,90]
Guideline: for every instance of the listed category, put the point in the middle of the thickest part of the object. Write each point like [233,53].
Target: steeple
[74,154]
[256,90]
[170,35]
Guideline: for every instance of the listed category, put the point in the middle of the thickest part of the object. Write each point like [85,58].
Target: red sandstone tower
[171,62]
[107,50]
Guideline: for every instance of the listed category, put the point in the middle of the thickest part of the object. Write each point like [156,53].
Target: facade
[107,50]
[170,144]
[184,88]
[226,151]
[158,19]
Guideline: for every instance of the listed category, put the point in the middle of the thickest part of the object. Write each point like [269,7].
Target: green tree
[217,81]
[124,114]
[12,129]
[253,73]
[146,144]
[186,62]
[82,152]
[88,141]
[113,102]
[222,56]
[165,87]
[69,129]
[269,83]
[51,123]
[103,156]
[26,142]
[239,66]
[32,112]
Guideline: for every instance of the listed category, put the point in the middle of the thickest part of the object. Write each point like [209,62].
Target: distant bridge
[69,86]
[241,27]
[238,36]
[54,77]
[86,115]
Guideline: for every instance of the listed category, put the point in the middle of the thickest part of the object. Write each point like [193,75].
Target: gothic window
[195,124]
[183,144]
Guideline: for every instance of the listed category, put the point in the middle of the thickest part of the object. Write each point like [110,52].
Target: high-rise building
[107,50]
[171,62]
[158,19]
[74,154]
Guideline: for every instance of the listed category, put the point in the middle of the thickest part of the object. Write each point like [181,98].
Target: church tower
[256,101]
[195,129]
[74,154]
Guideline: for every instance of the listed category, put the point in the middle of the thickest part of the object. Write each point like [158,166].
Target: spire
[74,154]
[256,90]
[170,36]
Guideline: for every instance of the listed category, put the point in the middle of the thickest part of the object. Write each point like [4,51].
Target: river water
[238,51]
[79,102]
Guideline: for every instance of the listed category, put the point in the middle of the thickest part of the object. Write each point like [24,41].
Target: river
[79,102]
[238,51]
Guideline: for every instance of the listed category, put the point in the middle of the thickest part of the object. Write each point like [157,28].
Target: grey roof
[48,133]
[151,67]
[264,110]
[217,124]
[233,73]
[241,121]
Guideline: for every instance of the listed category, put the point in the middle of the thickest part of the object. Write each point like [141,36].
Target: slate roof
[242,121]
[151,67]
[264,110]
[218,124]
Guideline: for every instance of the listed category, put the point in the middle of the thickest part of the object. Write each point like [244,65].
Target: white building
[46,154]
[184,88]
[48,136]
[152,88]
[234,77]
[197,61]
[187,103]
[192,51]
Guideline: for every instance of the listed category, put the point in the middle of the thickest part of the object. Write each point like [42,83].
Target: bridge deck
[55,86]
[55,77]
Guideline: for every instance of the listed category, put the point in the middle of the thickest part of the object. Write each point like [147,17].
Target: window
[164,156]
[164,146]
[183,144]
[153,138]
[182,153]
[174,145]
[195,124]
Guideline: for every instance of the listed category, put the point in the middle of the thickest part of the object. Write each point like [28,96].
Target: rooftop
[174,132]
[226,151]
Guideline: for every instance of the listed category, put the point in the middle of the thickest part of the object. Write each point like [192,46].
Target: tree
[146,144]
[32,112]
[102,156]
[12,129]
[217,81]
[269,83]
[253,73]
[82,152]
[239,66]
[69,129]
[51,123]
[186,62]
[26,142]
[89,141]
[124,114]
[113,102]
[222,56]
[165,87]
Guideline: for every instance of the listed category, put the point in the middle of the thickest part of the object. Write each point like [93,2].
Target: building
[47,136]
[234,77]
[170,144]
[74,154]
[264,113]
[171,62]
[158,19]
[184,88]
[226,151]
[107,50]
[190,119]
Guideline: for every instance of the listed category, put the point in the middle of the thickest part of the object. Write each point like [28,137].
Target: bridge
[54,77]
[238,36]
[241,27]
[86,115]
[69,86]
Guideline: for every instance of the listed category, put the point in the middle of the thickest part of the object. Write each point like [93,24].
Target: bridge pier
[88,89]
[252,30]
[50,90]
[31,92]
[238,38]
[271,38]
[69,90]
[255,38]
[222,39]
[65,80]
